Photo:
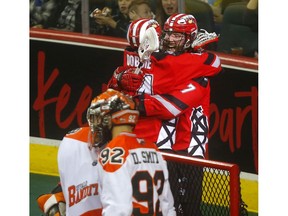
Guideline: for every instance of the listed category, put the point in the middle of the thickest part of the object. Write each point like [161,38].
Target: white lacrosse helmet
[137,30]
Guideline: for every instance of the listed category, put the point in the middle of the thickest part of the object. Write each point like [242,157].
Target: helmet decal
[137,29]
[185,24]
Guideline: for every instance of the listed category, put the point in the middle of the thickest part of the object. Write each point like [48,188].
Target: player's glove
[129,82]
[204,38]
[52,204]
[113,82]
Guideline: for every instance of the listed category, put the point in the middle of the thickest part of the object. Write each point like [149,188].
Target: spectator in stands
[44,13]
[250,18]
[237,35]
[70,17]
[116,25]
[226,3]
[164,9]
[200,10]
[216,6]
[140,9]
[203,12]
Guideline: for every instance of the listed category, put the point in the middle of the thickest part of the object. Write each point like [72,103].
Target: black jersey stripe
[209,59]
[175,101]
[141,106]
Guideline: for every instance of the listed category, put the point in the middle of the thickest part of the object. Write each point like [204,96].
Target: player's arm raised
[172,104]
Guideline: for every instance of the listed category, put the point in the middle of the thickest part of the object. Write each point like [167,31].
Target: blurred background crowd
[236,21]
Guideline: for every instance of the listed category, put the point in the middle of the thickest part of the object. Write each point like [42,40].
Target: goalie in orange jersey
[132,174]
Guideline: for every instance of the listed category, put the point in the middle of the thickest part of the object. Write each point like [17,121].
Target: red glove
[129,82]
[113,82]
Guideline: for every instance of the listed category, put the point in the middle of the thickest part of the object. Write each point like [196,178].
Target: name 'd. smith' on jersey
[145,157]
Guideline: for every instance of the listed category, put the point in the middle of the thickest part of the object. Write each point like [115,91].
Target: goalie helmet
[179,32]
[109,109]
[137,29]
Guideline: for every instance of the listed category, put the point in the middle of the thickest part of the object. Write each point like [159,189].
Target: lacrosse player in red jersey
[169,83]
[132,175]
[174,96]
[192,126]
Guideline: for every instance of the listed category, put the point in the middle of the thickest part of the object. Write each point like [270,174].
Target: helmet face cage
[137,29]
[172,41]
[107,110]
[180,23]
[99,124]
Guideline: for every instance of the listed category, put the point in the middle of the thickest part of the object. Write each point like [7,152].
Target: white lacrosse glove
[204,38]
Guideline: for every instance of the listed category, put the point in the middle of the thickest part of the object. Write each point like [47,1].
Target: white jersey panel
[143,168]
[78,177]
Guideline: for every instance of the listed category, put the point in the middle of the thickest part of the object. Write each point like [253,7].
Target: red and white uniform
[192,129]
[78,176]
[170,91]
[189,107]
[133,178]
[132,59]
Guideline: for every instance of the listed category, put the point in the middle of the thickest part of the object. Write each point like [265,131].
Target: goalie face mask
[107,110]
[100,127]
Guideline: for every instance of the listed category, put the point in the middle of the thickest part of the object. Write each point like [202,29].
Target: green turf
[40,184]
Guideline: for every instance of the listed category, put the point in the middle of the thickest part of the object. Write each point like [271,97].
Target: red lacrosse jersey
[133,178]
[175,107]
[169,89]
[132,59]
[169,71]
[78,177]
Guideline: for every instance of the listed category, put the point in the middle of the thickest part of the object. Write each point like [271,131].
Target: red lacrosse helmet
[137,29]
[182,23]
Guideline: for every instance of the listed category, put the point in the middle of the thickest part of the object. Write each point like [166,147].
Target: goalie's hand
[129,82]
[52,204]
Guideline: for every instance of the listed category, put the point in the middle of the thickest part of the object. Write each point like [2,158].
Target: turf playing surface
[40,184]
